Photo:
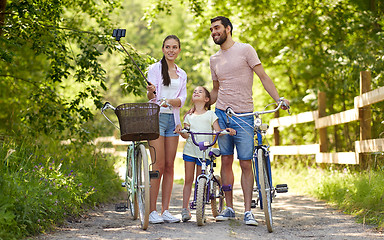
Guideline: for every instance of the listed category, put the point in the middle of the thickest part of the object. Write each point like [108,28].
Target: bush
[42,185]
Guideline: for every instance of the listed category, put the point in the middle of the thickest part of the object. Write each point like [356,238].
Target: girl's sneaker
[168,218]
[185,215]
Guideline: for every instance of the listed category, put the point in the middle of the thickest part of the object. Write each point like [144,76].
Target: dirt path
[295,217]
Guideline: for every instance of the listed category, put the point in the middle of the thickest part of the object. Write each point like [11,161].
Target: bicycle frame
[264,148]
[261,164]
[205,189]
[210,179]
[137,179]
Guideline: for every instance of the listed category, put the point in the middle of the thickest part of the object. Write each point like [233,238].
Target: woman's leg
[188,182]
[158,145]
[167,185]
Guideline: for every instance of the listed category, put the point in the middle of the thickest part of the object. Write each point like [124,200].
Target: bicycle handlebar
[231,113]
[205,144]
[164,103]
[106,106]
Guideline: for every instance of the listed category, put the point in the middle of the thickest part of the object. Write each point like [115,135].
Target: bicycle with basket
[265,192]
[208,189]
[138,122]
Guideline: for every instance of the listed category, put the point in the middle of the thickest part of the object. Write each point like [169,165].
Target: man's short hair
[224,20]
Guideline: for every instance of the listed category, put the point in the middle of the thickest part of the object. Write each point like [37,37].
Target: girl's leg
[198,171]
[157,155]
[188,181]
[167,185]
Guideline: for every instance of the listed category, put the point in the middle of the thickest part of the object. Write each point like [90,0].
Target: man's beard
[222,39]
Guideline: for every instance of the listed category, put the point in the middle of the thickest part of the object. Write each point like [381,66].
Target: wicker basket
[138,121]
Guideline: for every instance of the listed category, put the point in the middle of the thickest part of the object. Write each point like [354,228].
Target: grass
[360,193]
[42,185]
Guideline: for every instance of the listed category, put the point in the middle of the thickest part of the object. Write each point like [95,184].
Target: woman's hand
[178,129]
[151,88]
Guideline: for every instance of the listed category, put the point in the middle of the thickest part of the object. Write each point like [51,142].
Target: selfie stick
[118,33]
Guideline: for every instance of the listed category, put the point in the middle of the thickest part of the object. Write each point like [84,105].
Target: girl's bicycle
[265,192]
[138,121]
[208,189]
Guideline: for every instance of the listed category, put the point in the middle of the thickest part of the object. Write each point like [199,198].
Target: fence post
[276,132]
[365,116]
[323,142]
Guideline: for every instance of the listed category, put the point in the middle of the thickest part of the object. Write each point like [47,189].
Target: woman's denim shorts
[167,125]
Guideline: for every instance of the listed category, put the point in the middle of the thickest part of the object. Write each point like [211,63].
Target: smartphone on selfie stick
[119,33]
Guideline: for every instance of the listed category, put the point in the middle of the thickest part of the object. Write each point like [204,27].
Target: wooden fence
[361,112]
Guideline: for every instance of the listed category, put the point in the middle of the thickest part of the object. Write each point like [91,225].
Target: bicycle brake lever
[229,111]
[106,106]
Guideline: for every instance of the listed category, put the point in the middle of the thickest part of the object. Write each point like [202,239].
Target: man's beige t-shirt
[233,68]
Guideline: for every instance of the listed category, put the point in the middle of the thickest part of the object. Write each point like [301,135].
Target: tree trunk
[3,3]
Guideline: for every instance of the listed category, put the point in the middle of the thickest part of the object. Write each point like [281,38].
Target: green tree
[306,47]
[50,67]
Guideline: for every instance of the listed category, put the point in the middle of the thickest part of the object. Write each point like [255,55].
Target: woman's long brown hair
[164,65]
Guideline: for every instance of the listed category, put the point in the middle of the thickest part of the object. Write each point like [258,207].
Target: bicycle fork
[280,188]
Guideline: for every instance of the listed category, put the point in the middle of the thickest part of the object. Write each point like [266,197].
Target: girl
[168,81]
[200,119]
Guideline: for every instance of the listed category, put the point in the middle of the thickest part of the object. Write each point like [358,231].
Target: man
[232,69]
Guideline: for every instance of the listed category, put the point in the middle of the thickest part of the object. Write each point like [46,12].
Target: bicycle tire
[130,184]
[143,186]
[217,197]
[265,190]
[200,201]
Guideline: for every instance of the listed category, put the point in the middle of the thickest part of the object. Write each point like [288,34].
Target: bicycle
[208,189]
[138,121]
[265,192]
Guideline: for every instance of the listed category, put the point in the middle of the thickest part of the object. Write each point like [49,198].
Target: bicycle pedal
[192,205]
[121,207]
[154,174]
[253,204]
[281,188]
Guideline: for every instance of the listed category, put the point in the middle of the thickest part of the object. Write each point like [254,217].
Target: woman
[167,81]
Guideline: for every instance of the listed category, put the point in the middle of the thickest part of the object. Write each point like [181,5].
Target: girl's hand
[231,131]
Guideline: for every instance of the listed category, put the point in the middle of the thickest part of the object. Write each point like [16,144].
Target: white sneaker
[168,218]
[155,218]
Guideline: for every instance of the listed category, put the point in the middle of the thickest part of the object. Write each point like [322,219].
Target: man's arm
[214,92]
[269,86]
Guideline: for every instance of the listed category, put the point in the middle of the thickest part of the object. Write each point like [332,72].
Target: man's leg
[247,182]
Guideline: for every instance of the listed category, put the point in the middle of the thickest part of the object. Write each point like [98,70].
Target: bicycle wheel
[143,186]
[200,201]
[130,184]
[217,197]
[265,189]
